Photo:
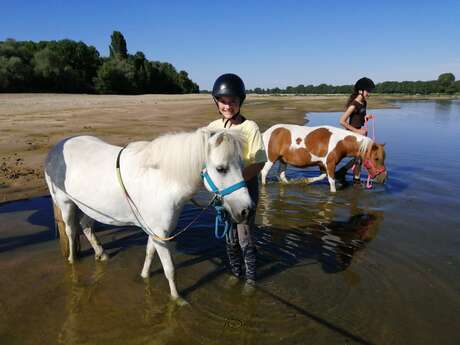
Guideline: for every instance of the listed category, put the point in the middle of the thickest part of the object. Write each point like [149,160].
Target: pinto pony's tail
[62,235]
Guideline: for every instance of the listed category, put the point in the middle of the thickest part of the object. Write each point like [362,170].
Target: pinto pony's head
[375,163]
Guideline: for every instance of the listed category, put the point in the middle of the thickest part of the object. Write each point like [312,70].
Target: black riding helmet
[364,84]
[229,85]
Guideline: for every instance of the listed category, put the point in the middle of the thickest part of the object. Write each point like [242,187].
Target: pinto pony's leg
[150,251]
[168,267]
[282,172]
[263,174]
[331,184]
[357,169]
[87,226]
[330,170]
[315,179]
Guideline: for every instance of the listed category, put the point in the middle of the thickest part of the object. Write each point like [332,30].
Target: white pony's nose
[247,213]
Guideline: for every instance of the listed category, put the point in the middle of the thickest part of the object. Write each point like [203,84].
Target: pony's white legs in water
[68,211]
[87,226]
[315,179]
[282,172]
[149,252]
[263,174]
[332,184]
[168,266]
[330,170]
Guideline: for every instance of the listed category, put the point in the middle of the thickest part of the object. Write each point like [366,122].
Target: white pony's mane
[181,156]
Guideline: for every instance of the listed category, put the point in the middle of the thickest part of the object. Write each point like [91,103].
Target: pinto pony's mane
[181,156]
[365,145]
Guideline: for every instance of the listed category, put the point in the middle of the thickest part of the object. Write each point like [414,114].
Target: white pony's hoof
[101,257]
[179,301]
[71,261]
[145,275]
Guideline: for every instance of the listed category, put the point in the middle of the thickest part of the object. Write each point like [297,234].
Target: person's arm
[346,125]
[256,152]
[252,171]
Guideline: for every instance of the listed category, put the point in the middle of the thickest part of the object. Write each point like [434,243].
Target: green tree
[117,46]
[446,82]
[116,76]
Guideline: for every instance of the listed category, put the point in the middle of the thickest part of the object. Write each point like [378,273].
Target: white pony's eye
[221,169]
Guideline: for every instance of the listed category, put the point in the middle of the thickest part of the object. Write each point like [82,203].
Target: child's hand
[369,117]
[362,131]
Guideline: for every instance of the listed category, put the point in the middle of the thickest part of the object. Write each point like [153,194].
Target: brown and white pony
[324,146]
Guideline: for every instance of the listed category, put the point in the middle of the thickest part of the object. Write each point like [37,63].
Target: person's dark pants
[241,249]
[340,174]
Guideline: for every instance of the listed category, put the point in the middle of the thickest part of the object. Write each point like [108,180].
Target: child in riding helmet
[353,119]
[229,94]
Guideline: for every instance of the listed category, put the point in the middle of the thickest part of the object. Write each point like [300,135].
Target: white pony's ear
[220,137]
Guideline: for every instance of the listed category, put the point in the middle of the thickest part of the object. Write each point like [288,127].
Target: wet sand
[32,123]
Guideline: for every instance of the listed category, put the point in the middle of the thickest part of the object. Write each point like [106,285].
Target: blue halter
[221,215]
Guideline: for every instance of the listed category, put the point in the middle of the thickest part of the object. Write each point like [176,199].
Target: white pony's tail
[60,225]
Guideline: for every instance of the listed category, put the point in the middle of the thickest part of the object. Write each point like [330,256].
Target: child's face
[228,106]
[365,94]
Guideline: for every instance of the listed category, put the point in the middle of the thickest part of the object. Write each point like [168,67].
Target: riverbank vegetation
[444,85]
[73,67]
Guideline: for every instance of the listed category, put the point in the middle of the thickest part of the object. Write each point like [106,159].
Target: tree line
[445,84]
[74,67]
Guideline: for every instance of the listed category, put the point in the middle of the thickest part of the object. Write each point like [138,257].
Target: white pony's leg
[263,174]
[87,226]
[68,211]
[168,267]
[315,179]
[150,251]
[282,172]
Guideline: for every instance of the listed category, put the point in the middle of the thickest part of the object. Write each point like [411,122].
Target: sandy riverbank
[31,123]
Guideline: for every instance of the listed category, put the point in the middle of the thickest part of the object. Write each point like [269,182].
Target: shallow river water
[378,266]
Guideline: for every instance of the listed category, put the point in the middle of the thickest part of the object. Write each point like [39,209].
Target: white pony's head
[224,167]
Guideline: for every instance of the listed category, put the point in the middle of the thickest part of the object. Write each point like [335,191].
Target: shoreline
[32,123]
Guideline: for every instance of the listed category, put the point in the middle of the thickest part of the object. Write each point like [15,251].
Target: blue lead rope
[221,213]
[221,218]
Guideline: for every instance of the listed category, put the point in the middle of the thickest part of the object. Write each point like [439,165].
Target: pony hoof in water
[179,301]
[101,257]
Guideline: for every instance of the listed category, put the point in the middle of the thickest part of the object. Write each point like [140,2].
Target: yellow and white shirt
[253,145]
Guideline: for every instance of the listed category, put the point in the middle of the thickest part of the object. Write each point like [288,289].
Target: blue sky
[268,43]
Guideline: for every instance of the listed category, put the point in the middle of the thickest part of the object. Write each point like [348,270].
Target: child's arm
[252,170]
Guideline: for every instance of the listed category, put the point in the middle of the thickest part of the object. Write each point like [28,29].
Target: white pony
[159,176]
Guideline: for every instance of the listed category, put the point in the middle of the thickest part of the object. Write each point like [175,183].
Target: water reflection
[314,231]
[77,298]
